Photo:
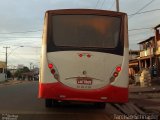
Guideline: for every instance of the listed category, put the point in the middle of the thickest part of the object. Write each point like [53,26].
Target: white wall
[2,77]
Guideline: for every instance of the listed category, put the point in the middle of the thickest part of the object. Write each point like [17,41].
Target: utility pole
[117,5]
[6,61]
[31,65]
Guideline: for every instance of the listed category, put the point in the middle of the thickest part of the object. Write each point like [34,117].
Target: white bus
[84,57]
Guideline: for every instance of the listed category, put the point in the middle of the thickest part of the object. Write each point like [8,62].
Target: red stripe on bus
[59,91]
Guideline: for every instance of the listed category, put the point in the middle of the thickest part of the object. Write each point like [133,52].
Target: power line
[33,46]
[97,3]
[32,53]
[140,29]
[20,37]
[21,32]
[139,33]
[103,3]
[144,12]
[143,7]
[23,45]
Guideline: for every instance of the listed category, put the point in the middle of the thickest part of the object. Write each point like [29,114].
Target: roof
[85,11]
[2,64]
[147,40]
[158,26]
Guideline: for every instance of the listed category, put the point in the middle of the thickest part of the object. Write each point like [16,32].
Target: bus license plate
[84,81]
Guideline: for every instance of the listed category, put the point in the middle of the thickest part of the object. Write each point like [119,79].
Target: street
[22,99]
[20,102]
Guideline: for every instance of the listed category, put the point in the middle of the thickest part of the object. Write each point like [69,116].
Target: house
[133,64]
[157,48]
[147,49]
[133,60]
[2,71]
[31,75]
[148,62]
[150,53]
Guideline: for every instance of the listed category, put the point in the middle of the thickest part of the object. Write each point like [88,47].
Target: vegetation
[19,72]
[9,74]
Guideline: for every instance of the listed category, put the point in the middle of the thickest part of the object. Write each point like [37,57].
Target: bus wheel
[101,105]
[48,103]
[55,103]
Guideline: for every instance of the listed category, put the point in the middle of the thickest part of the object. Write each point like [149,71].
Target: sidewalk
[11,82]
[155,88]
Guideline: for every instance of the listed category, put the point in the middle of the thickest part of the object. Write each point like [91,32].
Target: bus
[84,57]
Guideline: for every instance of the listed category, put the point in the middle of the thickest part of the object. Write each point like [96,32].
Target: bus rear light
[88,55]
[80,55]
[50,66]
[115,74]
[118,69]
[53,71]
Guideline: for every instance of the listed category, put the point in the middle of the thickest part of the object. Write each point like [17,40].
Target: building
[133,63]
[157,48]
[133,54]
[147,49]
[2,71]
[20,66]
[146,61]
[133,60]
[150,53]
[31,75]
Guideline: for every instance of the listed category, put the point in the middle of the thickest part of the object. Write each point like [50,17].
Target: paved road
[20,102]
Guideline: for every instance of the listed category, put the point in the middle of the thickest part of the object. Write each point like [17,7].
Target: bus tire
[55,103]
[101,105]
[48,103]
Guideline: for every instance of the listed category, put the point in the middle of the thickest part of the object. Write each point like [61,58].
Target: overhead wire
[144,12]
[20,32]
[112,4]
[103,3]
[97,3]
[142,8]
[21,37]
[140,29]
[139,33]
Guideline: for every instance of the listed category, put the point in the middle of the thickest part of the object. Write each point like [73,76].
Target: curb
[11,82]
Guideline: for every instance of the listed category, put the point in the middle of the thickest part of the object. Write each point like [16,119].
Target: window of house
[1,70]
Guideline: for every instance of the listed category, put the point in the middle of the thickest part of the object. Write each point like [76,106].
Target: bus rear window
[85,31]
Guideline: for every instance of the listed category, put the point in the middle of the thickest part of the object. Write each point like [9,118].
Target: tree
[9,74]
[25,69]
[19,72]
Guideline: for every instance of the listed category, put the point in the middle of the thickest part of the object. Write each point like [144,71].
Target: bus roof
[85,11]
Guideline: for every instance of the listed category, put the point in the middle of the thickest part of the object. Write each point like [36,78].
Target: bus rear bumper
[58,91]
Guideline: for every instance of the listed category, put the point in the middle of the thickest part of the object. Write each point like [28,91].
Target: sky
[21,24]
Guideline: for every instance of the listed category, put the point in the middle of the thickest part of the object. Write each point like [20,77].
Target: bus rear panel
[84,56]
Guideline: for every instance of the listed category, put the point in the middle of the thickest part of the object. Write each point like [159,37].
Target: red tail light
[118,69]
[80,55]
[50,66]
[115,74]
[53,71]
[88,55]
